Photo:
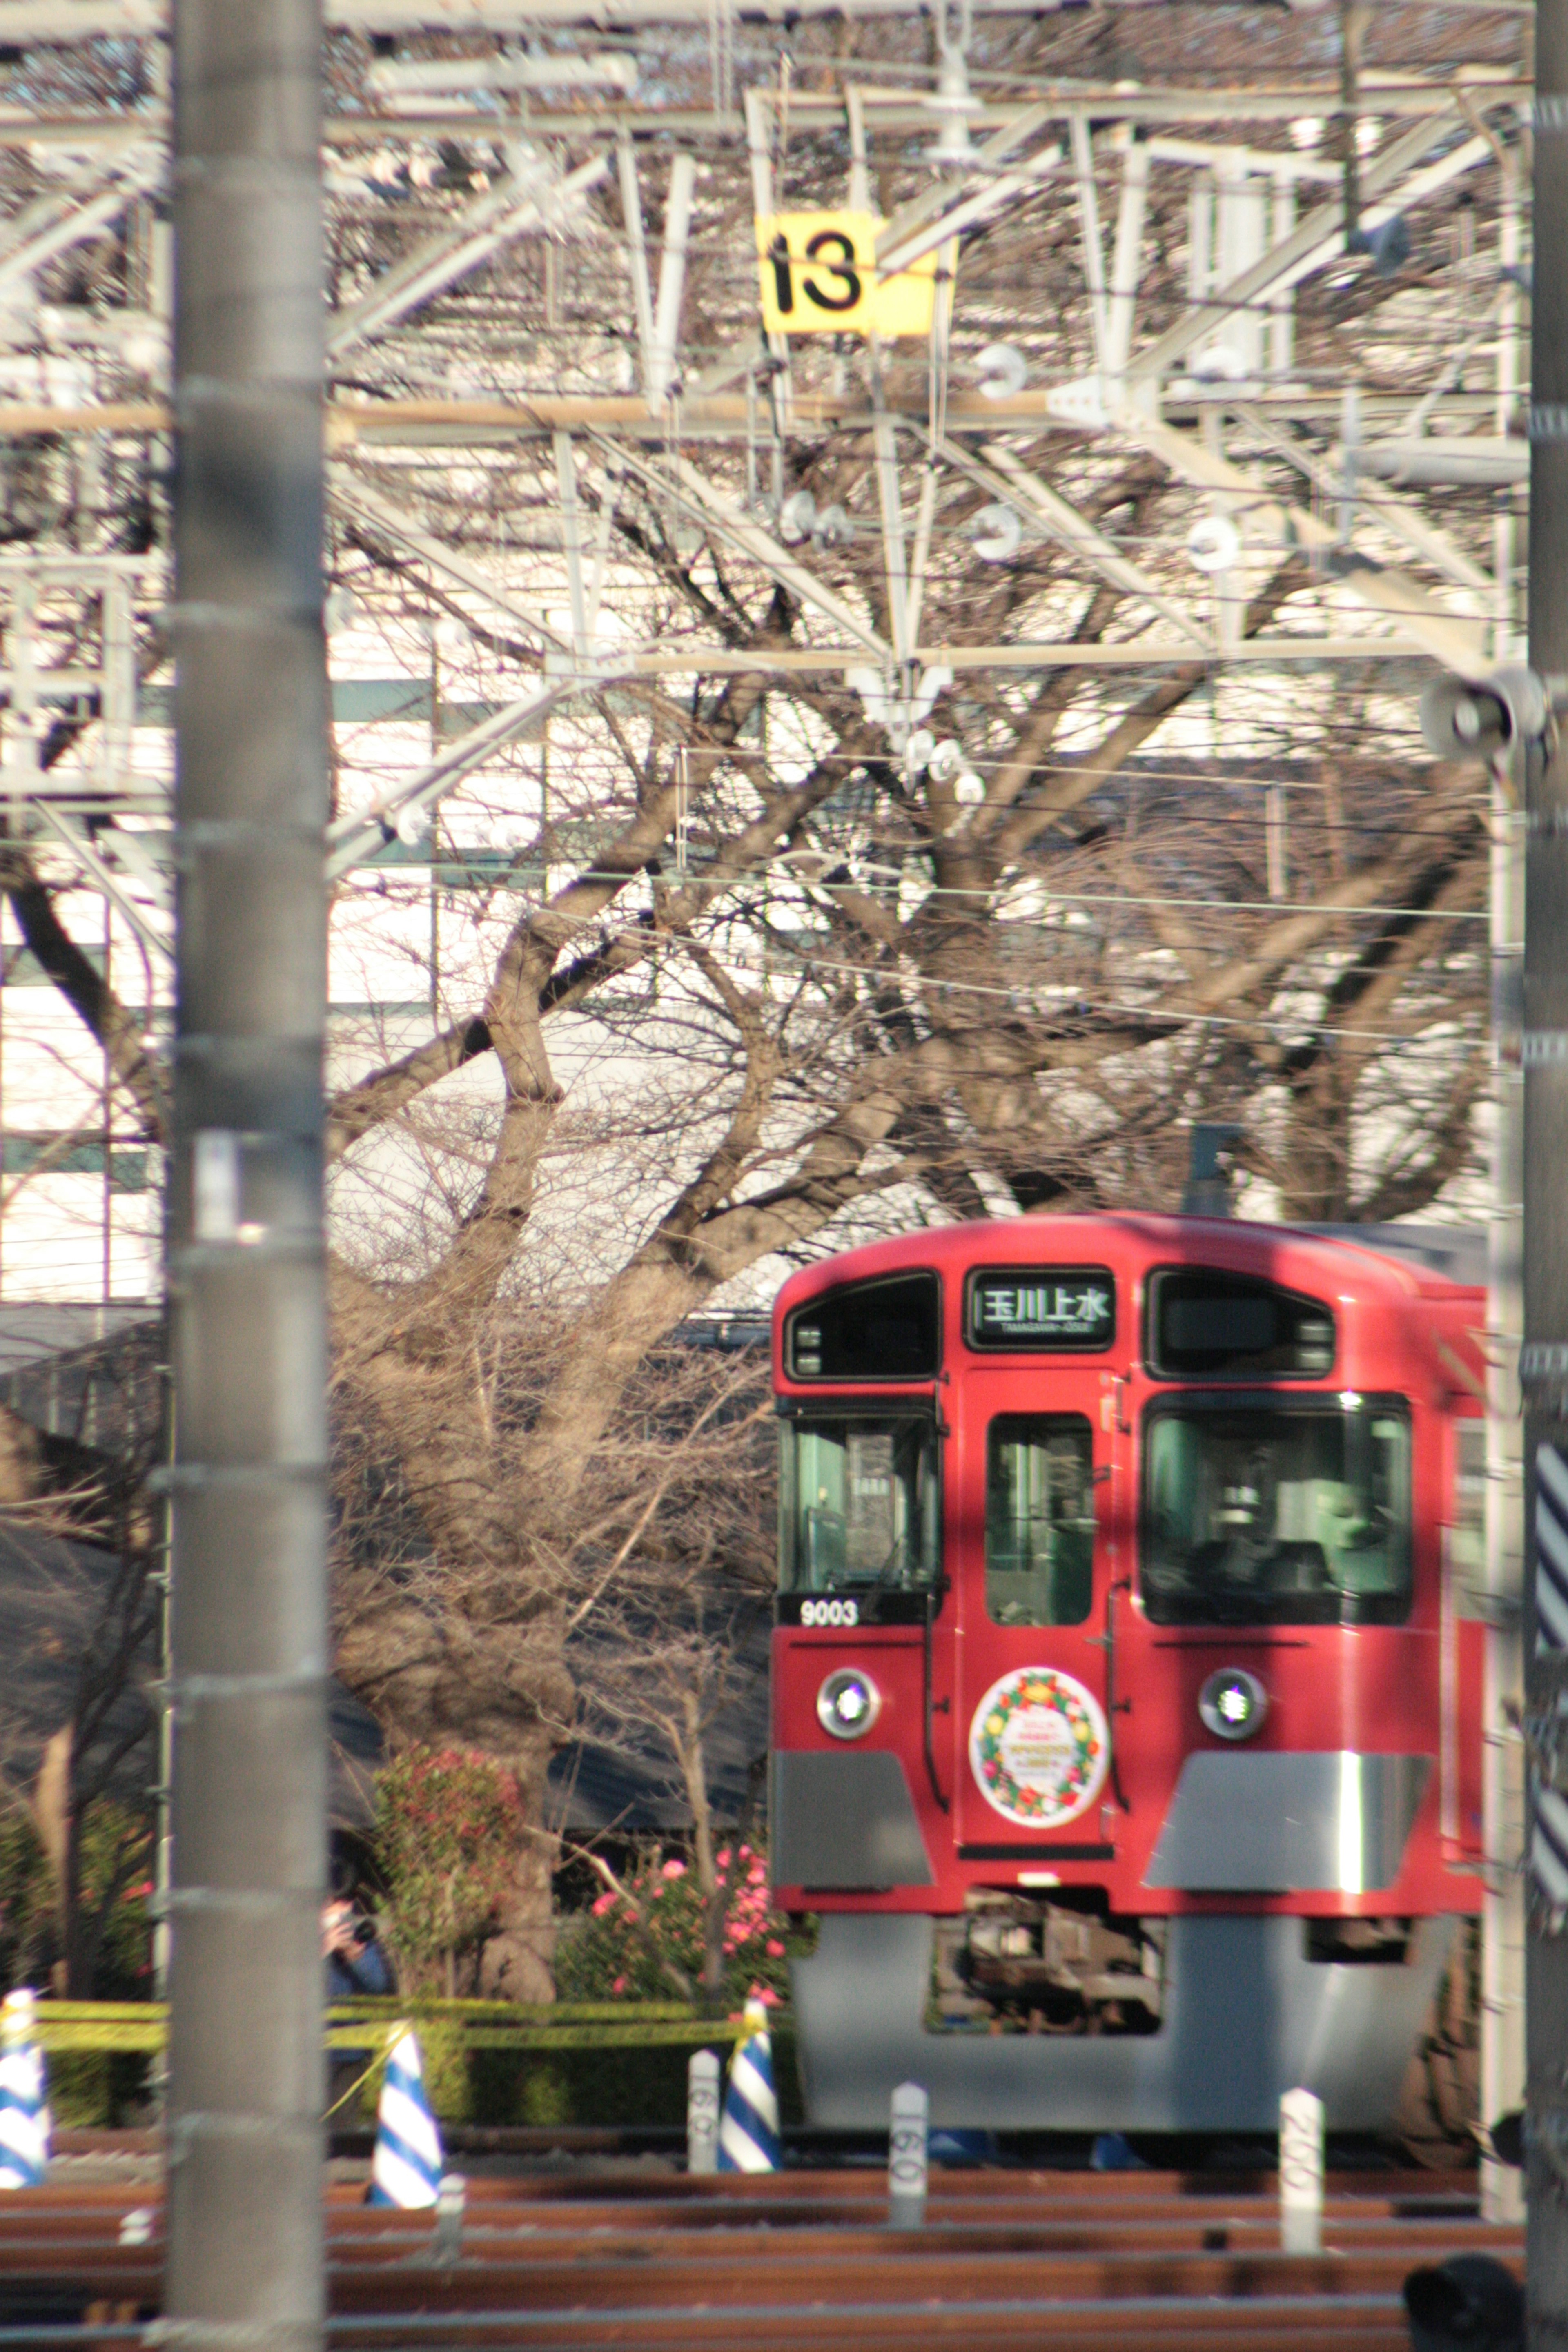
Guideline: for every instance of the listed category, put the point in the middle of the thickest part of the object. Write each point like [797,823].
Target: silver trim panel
[845,1820]
[1288,1821]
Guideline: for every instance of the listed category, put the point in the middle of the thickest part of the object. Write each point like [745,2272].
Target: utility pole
[1544,1362]
[1502,1768]
[244,1223]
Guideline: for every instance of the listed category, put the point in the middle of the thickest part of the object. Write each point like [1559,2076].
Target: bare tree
[84,1535]
[757,968]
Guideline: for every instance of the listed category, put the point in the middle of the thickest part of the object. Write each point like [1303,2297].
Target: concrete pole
[244,1230]
[1543,1363]
[1502,1768]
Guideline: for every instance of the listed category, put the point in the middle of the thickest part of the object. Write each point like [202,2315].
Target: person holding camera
[357,1970]
[357,1967]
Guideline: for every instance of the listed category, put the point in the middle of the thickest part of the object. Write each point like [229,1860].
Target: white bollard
[907,2158]
[1300,2173]
[451,2203]
[702,2111]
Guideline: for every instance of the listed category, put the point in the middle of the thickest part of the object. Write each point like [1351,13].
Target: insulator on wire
[998,534]
[1214,543]
[797,515]
[1002,370]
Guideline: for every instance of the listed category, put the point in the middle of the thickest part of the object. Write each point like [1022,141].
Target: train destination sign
[1046,1310]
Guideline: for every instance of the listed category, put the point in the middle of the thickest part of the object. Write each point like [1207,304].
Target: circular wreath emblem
[1038,1746]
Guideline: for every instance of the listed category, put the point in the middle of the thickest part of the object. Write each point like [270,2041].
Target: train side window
[1039,1518]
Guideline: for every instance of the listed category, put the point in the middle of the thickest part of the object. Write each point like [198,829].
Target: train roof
[1390,1260]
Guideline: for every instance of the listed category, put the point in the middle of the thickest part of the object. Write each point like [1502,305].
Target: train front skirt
[1248,2016]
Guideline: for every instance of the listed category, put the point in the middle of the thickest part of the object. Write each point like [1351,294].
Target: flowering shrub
[448,1827]
[647,1942]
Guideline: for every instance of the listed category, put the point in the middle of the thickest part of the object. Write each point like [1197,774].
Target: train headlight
[849,1704]
[1233,1704]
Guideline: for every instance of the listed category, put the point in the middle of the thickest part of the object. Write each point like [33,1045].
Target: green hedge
[594,2086]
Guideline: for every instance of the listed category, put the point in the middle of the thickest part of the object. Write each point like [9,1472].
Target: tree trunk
[520,1962]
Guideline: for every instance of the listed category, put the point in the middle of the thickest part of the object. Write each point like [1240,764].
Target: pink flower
[722,1857]
[619,1985]
[775,1951]
[673,1869]
[606,1902]
[765,1994]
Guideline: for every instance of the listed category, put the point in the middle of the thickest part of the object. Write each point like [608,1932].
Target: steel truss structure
[551,393]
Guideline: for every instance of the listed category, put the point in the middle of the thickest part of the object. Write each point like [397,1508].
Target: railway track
[801,2259]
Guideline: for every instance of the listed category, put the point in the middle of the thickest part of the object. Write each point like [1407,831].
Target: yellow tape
[75,2025]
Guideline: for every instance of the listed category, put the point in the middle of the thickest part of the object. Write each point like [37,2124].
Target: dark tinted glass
[867,1331]
[1297,1516]
[1039,1519]
[1210,1326]
[859,1504]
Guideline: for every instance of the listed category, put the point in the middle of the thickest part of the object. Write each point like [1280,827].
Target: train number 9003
[830,1612]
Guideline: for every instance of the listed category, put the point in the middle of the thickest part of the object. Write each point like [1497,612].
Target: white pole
[1300,2173]
[702,2111]
[672,277]
[907,2158]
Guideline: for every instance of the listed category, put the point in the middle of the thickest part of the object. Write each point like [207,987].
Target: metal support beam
[1093,243]
[244,1254]
[900,249]
[1384,506]
[759,155]
[1457,645]
[1317,241]
[708,504]
[566,482]
[136,171]
[351,839]
[664,377]
[355,498]
[1002,475]
[1125,267]
[636,256]
[891,505]
[102,877]
[534,199]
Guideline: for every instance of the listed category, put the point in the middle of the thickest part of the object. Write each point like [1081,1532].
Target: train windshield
[1263,1515]
[859,1503]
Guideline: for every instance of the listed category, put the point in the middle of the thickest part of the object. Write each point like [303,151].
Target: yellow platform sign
[818,273]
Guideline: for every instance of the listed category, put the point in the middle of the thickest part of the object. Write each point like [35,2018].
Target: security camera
[1478,718]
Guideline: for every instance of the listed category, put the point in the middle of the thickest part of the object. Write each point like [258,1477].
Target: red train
[1127,1674]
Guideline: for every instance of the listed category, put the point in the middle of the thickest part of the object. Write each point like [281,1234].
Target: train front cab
[1123,1593]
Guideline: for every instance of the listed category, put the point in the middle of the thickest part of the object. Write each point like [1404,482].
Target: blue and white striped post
[749,2127]
[23,2118]
[405,2170]
[1549,1831]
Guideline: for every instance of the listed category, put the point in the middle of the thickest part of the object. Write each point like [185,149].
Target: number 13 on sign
[818,273]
